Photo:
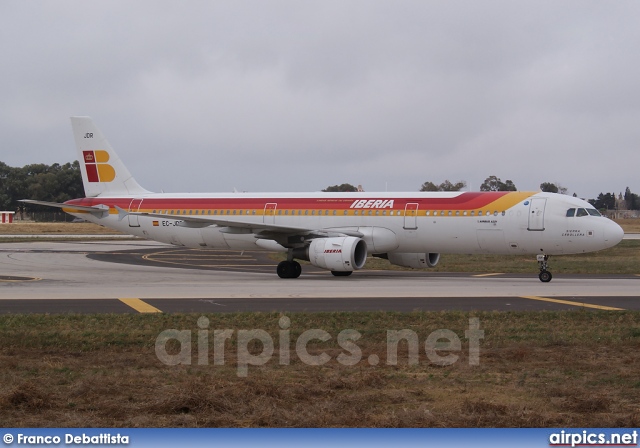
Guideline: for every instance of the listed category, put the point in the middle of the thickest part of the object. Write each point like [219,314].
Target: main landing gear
[544,276]
[289,269]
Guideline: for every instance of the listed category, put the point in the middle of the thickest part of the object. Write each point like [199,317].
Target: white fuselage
[505,223]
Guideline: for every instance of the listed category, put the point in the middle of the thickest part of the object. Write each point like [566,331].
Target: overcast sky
[298,95]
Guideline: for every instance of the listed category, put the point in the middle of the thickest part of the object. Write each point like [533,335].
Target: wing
[287,236]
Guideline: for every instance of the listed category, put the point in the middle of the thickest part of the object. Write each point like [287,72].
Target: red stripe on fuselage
[464,201]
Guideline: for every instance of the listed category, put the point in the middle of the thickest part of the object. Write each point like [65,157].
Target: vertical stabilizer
[103,173]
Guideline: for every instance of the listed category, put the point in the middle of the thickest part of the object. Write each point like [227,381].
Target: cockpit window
[571,212]
[593,212]
[582,212]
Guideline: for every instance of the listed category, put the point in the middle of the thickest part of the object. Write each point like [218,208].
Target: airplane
[336,231]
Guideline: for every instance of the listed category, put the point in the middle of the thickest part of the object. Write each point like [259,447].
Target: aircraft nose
[613,234]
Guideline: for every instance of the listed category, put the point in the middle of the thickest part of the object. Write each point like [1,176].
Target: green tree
[493,183]
[632,200]
[553,187]
[444,186]
[604,201]
[549,187]
[340,188]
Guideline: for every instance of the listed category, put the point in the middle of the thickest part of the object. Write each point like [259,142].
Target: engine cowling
[345,253]
[414,260]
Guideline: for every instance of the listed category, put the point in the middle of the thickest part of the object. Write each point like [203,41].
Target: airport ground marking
[15,279]
[140,306]
[568,302]
[487,275]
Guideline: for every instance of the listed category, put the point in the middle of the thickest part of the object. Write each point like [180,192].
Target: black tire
[297,269]
[342,273]
[545,276]
[289,269]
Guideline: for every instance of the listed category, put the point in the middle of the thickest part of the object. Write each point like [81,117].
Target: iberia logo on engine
[98,170]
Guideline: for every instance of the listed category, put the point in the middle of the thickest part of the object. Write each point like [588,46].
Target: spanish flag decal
[156,223]
[98,170]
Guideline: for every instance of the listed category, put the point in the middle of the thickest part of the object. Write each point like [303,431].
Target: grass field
[546,369]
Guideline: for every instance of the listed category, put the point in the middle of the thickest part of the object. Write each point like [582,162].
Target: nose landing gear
[544,276]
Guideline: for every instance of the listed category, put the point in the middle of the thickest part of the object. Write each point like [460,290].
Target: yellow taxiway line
[568,302]
[140,306]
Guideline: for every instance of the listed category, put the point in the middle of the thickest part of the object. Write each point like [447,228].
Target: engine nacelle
[413,260]
[345,253]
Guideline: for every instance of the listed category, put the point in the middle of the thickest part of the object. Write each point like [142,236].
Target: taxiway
[143,276]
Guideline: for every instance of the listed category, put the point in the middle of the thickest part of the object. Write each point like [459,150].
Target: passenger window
[480,213]
[571,213]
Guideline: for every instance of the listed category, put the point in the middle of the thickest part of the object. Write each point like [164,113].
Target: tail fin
[103,173]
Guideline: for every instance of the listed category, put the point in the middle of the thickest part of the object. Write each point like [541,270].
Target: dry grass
[62,228]
[629,225]
[550,369]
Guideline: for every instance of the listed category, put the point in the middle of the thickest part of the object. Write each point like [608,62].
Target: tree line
[55,183]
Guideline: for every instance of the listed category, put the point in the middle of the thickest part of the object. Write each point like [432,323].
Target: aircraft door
[134,206]
[536,214]
[270,213]
[411,216]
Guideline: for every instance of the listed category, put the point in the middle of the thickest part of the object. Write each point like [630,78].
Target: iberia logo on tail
[98,170]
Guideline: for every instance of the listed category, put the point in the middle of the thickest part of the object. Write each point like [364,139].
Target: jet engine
[413,260]
[341,254]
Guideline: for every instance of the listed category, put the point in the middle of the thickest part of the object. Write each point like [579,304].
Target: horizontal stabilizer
[94,209]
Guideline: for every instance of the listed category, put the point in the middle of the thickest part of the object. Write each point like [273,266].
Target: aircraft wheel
[289,269]
[342,273]
[545,276]
[297,269]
